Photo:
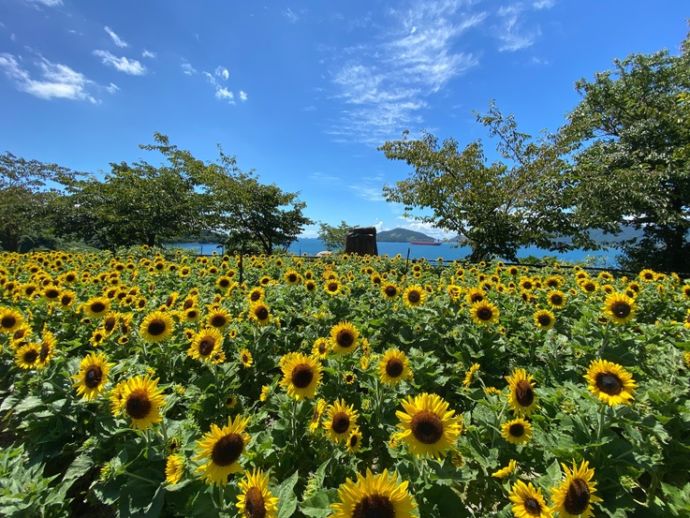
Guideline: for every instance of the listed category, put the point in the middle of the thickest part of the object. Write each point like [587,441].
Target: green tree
[494,207]
[629,146]
[334,237]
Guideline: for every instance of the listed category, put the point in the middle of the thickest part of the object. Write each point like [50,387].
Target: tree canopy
[334,237]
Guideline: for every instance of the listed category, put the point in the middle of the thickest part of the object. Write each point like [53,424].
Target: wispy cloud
[57,81]
[112,88]
[291,15]
[511,33]
[148,54]
[543,4]
[187,68]
[324,178]
[386,86]
[426,228]
[122,64]
[116,39]
[217,79]
[47,3]
[222,72]
[225,94]
[243,96]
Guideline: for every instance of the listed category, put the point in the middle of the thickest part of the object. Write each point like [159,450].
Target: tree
[494,207]
[334,237]
[629,145]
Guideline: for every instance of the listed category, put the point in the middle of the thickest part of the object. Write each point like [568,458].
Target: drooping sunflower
[140,399]
[96,307]
[528,501]
[506,470]
[372,495]
[92,376]
[260,313]
[427,425]
[517,431]
[10,320]
[205,345]
[522,398]
[255,499]
[484,312]
[156,327]
[544,319]
[619,308]
[576,493]
[246,358]
[174,468]
[27,356]
[344,338]
[414,296]
[220,450]
[218,318]
[610,382]
[469,375]
[394,367]
[341,419]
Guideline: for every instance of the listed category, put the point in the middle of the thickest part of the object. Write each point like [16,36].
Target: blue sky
[302,92]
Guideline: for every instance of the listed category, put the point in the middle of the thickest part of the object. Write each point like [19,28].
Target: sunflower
[506,471]
[344,338]
[544,319]
[380,495]
[414,296]
[218,318]
[301,375]
[341,419]
[317,413]
[255,499]
[96,307]
[354,441]
[484,312]
[474,295]
[427,425]
[28,355]
[332,287]
[206,344]
[260,313]
[522,399]
[394,367]
[517,431]
[221,448]
[619,308]
[156,327]
[292,277]
[556,299]
[92,375]
[610,382]
[321,348]
[191,314]
[10,320]
[648,275]
[246,358]
[139,398]
[575,494]
[528,501]
[469,375]
[174,468]
[389,290]
[256,294]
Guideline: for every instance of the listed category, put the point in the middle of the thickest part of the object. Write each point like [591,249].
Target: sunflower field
[157,384]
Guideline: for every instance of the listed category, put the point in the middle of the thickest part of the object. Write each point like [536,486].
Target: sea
[605,258]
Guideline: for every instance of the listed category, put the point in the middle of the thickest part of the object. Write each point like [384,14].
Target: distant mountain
[401,235]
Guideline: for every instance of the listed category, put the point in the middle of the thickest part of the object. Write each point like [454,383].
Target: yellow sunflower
[469,375]
[96,307]
[528,501]
[156,327]
[619,308]
[292,277]
[344,338]
[27,356]
[260,313]
[218,318]
[10,320]
[427,425]
[220,450]
[576,493]
[92,375]
[522,398]
[246,358]
[332,287]
[556,298]
[389,290]
[255,499]
[256,294]
[140,399]
[174,468]
[506,470]
[321,348]
[517,431]
[610,382]
[544,319]
[414,296]
[354,441]
[394,367]
[205,345]
[341,419]
[380,495]
[484,312]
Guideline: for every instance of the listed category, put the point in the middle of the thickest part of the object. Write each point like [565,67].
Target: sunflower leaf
[286,496]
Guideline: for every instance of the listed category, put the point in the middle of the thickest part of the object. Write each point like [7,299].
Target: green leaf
[287,500]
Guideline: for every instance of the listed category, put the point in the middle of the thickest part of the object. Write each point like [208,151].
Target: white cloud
[511,33]
[225,94]
[123,64]
[543,4]
[112,88]
[57,81]
[47,3]
[187,68]
[222,72]
[426,228]
[116,39]
[368,193]
[243,96]
[221,91]
[291,16]
[386,87]
[148,54]
[323,178]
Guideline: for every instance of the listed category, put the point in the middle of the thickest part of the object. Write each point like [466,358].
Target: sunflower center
[414,296]
[544,320]
[218,321]
[224,283]
[254,506]
[302,376]
[227,449]
[340,422]
[51,293]
[517,429]
[390,291]
[292,278]
[524,394]
[332,286]
[138,405]
[556,300]
[477,297]
[255,296]
[394,367]
[156,327]
[484,313]
[353,441]
[30,356]
[427,427]
[45,351]
[261,313]
[109,324]
[93,376]
[374,506]
[345,339]
[532,506]
[8,321]
[609,383]
[206,346]
[97,307]
[620,309]
[577,498]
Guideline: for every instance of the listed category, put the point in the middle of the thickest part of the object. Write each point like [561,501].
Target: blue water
[311,246]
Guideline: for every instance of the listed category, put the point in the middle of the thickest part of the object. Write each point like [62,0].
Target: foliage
[334,237]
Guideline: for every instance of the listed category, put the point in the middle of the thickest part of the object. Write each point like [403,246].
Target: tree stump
[361,241]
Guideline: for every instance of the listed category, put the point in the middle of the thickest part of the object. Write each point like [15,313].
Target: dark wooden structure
[361,241]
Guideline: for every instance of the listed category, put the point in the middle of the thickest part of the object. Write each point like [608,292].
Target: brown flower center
[227,449]
[261,312]
[345,339]
[394,367]
[97,307]
[609,383]
[427,427]
[621,309]
[254,506]
[517,429]
[8,321]
[302,375]
[532,506]
[374,506]
[391,291]
[224,283]
[556,300]
[414,296]
[254,296]
[206,345]
[93,376]
[577,497]
[524,394]
[544,320]
[138,404]
[156,327]
[218,321]
[51,293]
[332,286]
[340,423]
[109,324]
[30,356]
[484,313]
